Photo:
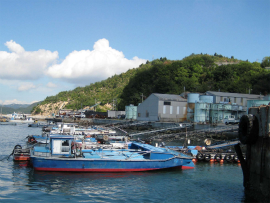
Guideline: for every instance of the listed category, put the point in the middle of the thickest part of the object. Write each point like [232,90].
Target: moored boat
[20,154]
[63,154]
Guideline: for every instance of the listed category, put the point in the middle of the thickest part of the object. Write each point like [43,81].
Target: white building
[163,107]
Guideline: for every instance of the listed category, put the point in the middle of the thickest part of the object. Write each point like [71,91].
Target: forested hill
[195,73]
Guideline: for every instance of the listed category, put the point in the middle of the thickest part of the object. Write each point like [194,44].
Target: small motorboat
[20,154]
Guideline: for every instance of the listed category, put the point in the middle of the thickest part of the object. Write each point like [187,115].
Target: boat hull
[21,158]
[99,165]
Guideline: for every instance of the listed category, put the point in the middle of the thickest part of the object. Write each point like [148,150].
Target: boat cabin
[59,145]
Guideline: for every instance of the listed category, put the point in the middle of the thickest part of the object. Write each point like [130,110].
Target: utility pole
[142,97]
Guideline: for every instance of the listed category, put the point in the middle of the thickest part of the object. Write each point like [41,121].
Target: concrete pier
[254,132]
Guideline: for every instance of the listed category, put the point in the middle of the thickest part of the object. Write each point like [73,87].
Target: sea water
[207,182]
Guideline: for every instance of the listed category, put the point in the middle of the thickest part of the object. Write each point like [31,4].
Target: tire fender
[248,131]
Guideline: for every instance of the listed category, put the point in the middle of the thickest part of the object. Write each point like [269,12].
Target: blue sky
[48,46]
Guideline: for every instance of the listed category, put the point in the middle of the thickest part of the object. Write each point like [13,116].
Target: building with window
[163,108]
[233,98]
[214,106]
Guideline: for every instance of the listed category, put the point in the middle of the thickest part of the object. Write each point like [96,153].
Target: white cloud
[23,65]
[26,86]
[51,85]
[101,63]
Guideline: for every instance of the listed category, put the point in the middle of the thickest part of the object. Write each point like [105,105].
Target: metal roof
[239,95]
[170,97]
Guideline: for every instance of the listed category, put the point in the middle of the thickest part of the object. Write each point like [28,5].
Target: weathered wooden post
[254,131]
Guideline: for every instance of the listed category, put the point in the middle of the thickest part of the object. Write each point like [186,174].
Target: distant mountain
[18,108]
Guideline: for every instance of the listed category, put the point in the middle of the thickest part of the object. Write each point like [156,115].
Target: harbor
[120,146]
[224,180]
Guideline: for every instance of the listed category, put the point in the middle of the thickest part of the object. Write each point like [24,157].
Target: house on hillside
[163,108]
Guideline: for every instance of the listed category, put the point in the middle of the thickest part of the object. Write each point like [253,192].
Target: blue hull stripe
[92,165]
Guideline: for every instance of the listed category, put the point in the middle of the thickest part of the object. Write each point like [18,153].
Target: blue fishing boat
[63,154]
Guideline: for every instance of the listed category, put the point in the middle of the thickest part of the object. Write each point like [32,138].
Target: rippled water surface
[206,183]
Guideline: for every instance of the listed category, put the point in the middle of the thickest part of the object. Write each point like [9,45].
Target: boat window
[65,146]
[65,143]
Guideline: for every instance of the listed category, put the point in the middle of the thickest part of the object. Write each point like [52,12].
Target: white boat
[26,120]
[20,118]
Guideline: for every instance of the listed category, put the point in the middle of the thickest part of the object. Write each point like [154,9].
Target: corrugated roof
[227,94]
[170,97]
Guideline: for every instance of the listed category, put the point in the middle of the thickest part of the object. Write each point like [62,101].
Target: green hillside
[195,73]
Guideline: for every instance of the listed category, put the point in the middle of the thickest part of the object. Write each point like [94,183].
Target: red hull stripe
[105,169]
[187,167]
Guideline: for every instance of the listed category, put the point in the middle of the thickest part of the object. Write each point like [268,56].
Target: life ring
[248,131]
[207,157]
[228,158]
[218,157]
[200,156]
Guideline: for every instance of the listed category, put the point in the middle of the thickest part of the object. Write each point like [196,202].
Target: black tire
[200,156]
[218,157]
[228,158]
[235,158]
[226,123]
[248,131]
[207,157]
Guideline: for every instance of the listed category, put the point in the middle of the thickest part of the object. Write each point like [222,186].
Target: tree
[265,62]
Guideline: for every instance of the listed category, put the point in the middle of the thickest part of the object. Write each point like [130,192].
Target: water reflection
[85,183]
